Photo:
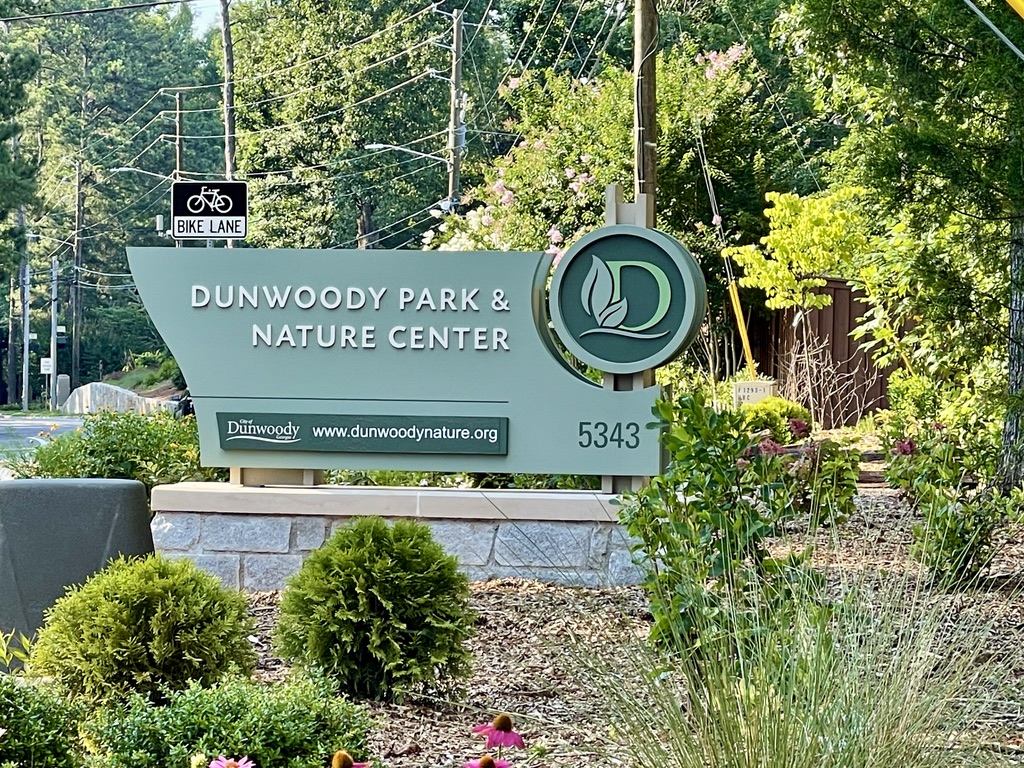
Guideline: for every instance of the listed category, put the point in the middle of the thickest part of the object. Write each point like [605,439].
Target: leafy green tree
[18,64]
[97,106]
[935,99]
[319,81]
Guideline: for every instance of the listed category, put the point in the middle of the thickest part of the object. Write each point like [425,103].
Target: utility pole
[54,308]
[366,235]
[179,144]
[229,96]
[12,354]
[456,126]
[24,282]
[76,279]
[645,110]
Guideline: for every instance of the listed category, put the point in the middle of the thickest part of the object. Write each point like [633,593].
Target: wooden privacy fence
[817,362]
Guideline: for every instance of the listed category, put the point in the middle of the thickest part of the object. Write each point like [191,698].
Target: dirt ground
[522,664]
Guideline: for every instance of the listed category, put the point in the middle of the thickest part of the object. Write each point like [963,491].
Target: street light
[449,203]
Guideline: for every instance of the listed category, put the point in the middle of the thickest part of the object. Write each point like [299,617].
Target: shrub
[295,725]
[152,448]
[380,608]
[824,478]
[143,625]
[773,414]
[40,727]
[701,527]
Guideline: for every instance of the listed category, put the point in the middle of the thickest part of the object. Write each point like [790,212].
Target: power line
[89,11]
[307,62]
[321,83]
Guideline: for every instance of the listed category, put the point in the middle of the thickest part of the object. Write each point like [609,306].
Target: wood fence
[817,362]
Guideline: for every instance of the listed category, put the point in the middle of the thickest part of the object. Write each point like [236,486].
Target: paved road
[18,433]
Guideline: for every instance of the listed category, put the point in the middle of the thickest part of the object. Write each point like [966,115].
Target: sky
[207,14]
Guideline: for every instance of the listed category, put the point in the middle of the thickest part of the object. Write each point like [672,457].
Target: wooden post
[640,214]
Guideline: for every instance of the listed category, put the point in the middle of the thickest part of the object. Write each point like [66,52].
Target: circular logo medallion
[624,299]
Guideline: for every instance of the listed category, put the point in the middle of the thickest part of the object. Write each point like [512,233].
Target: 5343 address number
[599,434]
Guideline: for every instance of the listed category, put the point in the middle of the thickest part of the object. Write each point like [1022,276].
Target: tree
[18,64]
[936,99]
[96,105]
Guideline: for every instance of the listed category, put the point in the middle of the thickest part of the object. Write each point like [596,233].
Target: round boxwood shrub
[143,625]
[774,414]
[380,608]
[39,728]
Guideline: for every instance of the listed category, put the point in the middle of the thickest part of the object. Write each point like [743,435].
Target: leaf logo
[596,295]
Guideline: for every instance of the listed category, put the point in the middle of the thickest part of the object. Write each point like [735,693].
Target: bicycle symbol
[210,200]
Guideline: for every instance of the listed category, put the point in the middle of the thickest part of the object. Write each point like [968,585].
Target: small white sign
[46,365]
[750,392]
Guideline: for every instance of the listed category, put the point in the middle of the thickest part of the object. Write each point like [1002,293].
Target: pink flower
[716,220]
[557,252]
[230,762]
[499,733]
[555,235]
[769,447]
[570,173]
[507,198]
[486,762]
[513,83]
[499,187]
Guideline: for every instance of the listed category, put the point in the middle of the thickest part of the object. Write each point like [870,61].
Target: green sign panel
[625,299]
[425,360]
[366,433]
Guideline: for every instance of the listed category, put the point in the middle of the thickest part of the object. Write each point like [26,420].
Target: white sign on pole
[46,365]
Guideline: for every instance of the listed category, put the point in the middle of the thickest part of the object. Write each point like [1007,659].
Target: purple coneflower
[486,762]
[230,762]
[499,733]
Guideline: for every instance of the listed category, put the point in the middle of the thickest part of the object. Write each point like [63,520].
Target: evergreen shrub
[299,724]
[40,727]
[773,414]
[381,609]
[143,626]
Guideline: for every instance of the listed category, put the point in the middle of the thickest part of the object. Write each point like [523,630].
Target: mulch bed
[525,664]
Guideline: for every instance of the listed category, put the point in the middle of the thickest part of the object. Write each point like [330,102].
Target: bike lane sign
[209,210]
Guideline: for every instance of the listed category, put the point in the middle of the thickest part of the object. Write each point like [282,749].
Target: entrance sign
[209,210]
[625,299]
[426,360]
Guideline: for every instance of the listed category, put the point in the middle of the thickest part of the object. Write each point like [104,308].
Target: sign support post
[640,214]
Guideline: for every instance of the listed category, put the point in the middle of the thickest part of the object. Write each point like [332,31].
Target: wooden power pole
[229,95]
[456,127]
[76,281]
[645,110]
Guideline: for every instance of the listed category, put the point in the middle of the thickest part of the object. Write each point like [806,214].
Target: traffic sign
[209,210]
[46,365]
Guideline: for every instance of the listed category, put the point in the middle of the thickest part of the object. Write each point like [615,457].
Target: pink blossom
[555,235]
[499,187]
[769,447]
[507,198]
[716,220]
[486,219]
[499,733]
[570,173]
[227,762]
[486,762]
[539,144]
[719,62]
[513,83]
[557,252]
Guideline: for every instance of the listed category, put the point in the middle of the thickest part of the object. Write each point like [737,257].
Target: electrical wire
[386,227]
[90,11]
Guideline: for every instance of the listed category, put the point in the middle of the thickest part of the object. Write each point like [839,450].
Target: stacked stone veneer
[255,538]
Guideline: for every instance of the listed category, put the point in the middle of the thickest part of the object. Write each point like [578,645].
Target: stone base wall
[493,534]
